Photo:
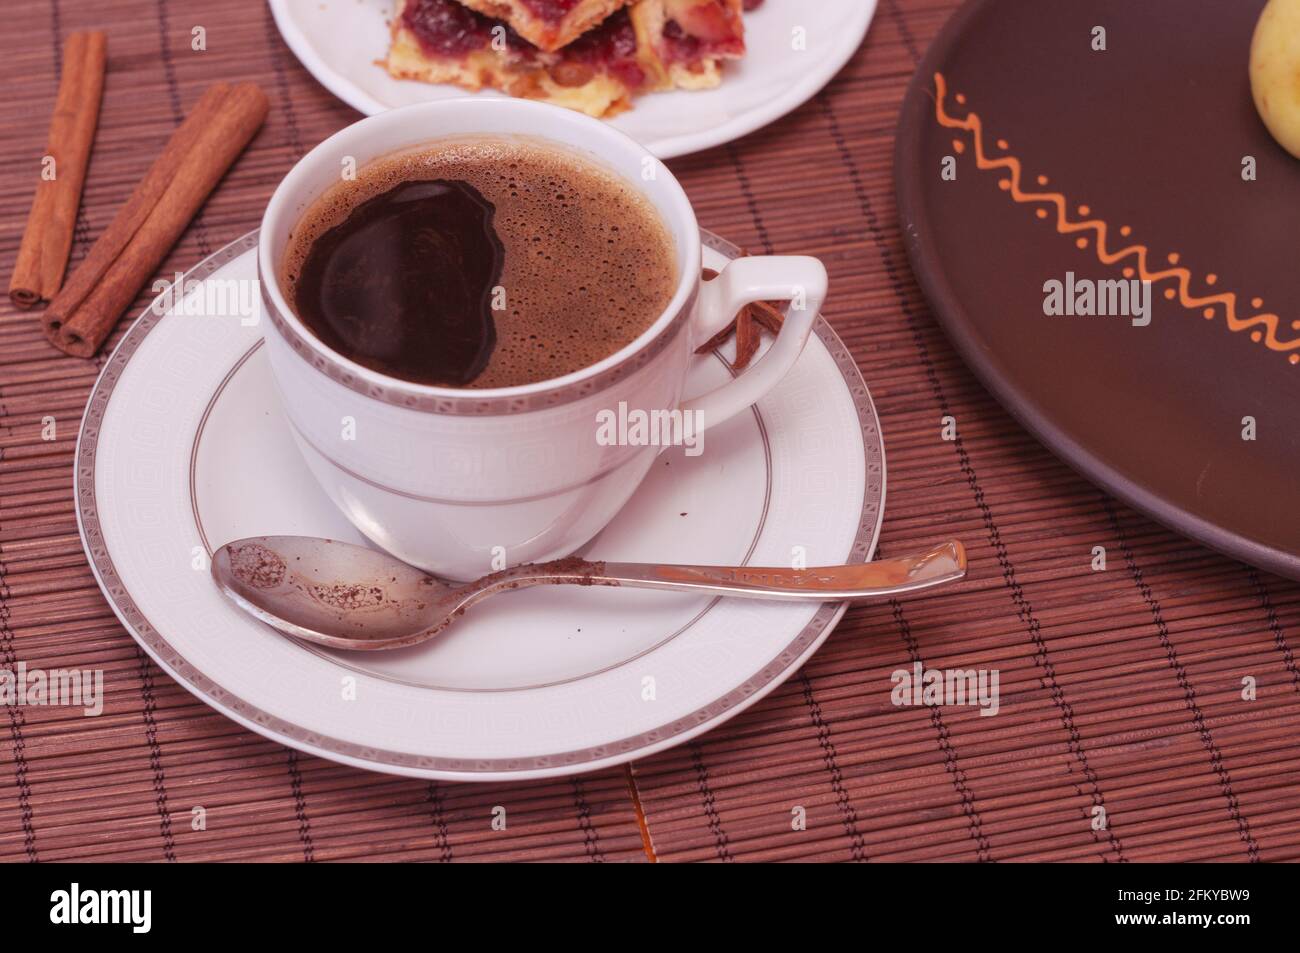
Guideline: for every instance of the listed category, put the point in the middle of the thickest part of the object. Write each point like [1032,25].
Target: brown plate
[1114,165]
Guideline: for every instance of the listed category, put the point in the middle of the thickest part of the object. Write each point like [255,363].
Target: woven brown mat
[1121,691]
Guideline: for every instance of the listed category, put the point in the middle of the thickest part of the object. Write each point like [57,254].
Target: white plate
[184,447]
[338,41]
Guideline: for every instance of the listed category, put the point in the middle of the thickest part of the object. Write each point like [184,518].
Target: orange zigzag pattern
[1265,325]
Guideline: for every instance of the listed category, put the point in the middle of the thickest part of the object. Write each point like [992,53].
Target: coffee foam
[589,262]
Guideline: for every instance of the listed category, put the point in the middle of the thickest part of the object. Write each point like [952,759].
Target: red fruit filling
[699,29]
[552,11]
[445,28]
[612,46]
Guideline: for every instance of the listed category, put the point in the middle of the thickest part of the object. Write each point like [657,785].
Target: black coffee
[480,264]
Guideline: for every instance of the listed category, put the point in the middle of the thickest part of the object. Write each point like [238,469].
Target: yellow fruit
[1275,71]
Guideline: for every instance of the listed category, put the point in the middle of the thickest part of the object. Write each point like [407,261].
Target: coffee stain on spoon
[261,568]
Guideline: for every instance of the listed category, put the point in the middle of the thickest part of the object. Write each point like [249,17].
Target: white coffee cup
[460,482]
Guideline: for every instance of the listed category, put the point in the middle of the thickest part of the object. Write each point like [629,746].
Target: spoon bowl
[329,592]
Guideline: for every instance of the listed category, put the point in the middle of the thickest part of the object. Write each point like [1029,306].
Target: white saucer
[338,41]
[184,447]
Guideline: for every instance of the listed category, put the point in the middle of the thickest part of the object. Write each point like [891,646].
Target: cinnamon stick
[768,315]
[717,340]
[746,339]
[133,214]
[47,240]
[742,326]
[144,230]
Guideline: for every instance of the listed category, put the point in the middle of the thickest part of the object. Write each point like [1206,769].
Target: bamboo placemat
[1120,690]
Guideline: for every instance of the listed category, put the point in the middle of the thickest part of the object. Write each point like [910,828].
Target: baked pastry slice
[646,46]
[547,24]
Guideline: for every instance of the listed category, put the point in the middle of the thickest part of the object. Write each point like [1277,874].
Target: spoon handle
[884,577]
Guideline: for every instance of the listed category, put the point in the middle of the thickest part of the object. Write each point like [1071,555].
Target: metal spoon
[351,597]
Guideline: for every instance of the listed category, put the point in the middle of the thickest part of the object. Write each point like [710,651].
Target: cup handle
[795,278]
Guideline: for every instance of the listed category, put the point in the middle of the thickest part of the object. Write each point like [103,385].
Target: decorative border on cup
[624,749]
[412,397]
